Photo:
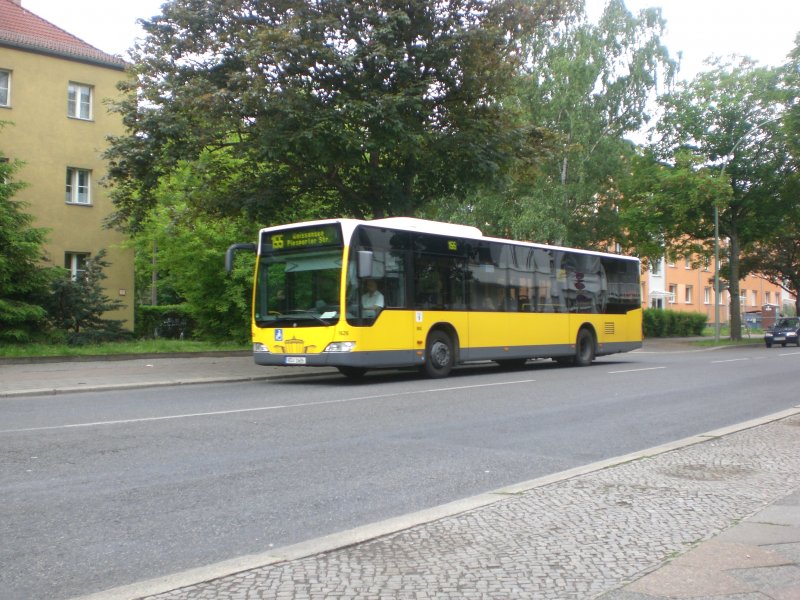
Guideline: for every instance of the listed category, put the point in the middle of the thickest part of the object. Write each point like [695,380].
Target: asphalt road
[104,489]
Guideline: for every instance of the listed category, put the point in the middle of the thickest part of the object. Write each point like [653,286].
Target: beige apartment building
[52,91]
[688,285]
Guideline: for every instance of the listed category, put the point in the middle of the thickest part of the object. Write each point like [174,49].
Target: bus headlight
[259,347]
[340,347]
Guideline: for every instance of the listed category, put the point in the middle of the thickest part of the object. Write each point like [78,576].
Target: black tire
[352,372]
[439,355]
[768,344]
[783,344]
[584,348]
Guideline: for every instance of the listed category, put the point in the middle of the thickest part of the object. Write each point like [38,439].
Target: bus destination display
[309,237]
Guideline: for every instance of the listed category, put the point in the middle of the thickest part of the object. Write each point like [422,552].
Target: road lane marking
[261,408]
[730,360]
[636,370]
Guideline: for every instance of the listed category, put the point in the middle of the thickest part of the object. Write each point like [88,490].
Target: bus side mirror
[364,264]
[232,249]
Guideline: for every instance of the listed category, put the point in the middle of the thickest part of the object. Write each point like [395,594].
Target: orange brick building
[685,285]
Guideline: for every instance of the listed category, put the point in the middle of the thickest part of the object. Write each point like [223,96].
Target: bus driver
[372,299]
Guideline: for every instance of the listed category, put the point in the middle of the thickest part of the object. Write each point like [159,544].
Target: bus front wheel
[439,356]
[584,348]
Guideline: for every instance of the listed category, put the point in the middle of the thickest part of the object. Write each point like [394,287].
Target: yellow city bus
[404,292]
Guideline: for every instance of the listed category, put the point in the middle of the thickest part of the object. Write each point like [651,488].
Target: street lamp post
[716,271]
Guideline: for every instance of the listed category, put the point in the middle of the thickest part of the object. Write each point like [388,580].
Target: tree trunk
[736,305]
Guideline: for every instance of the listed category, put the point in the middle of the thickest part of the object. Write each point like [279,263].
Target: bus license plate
[295,360]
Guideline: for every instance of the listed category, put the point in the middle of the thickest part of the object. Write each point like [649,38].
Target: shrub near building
[670,323]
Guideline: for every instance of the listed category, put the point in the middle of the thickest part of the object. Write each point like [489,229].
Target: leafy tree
[777,258]
[727,117]
[76,305]
[23,280]
[189,255]
[190,263]
[587,85]
[657,199]
[776,255]
[363,108]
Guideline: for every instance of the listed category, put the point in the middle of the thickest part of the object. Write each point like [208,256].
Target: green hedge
[669,323]
[168,321]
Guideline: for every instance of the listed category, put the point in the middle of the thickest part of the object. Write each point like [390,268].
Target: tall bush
[76,306]
[670,323]
[23,281]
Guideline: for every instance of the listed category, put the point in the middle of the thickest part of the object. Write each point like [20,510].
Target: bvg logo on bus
[277,241]
[452,245]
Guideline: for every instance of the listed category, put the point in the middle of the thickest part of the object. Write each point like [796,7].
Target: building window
[688,264]
[75,263]
[743,297]
[673,292]
[79,101]
[707,295]
[688,294]
[767,297]
[78,186]
[706,263]
[755,297]
[5,87]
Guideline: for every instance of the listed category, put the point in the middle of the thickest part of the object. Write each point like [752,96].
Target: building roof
[23,30]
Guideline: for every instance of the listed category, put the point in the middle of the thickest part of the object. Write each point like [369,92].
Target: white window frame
[5,88]
[80,100]
[77,191]
[755,297]
[75,263]
[687,294]
[707,295]
[673,292]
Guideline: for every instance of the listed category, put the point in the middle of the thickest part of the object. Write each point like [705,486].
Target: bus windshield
[298,287]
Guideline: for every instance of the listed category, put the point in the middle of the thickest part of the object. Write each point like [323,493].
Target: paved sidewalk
[46,377]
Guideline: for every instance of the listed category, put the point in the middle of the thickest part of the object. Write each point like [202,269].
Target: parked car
[785,331]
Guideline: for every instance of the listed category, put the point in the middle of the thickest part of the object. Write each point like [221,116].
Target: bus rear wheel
[439,356]
[584,348]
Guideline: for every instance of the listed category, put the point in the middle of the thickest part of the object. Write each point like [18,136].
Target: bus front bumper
[365,360]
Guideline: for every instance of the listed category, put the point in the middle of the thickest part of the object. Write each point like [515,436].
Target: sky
[762,29]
